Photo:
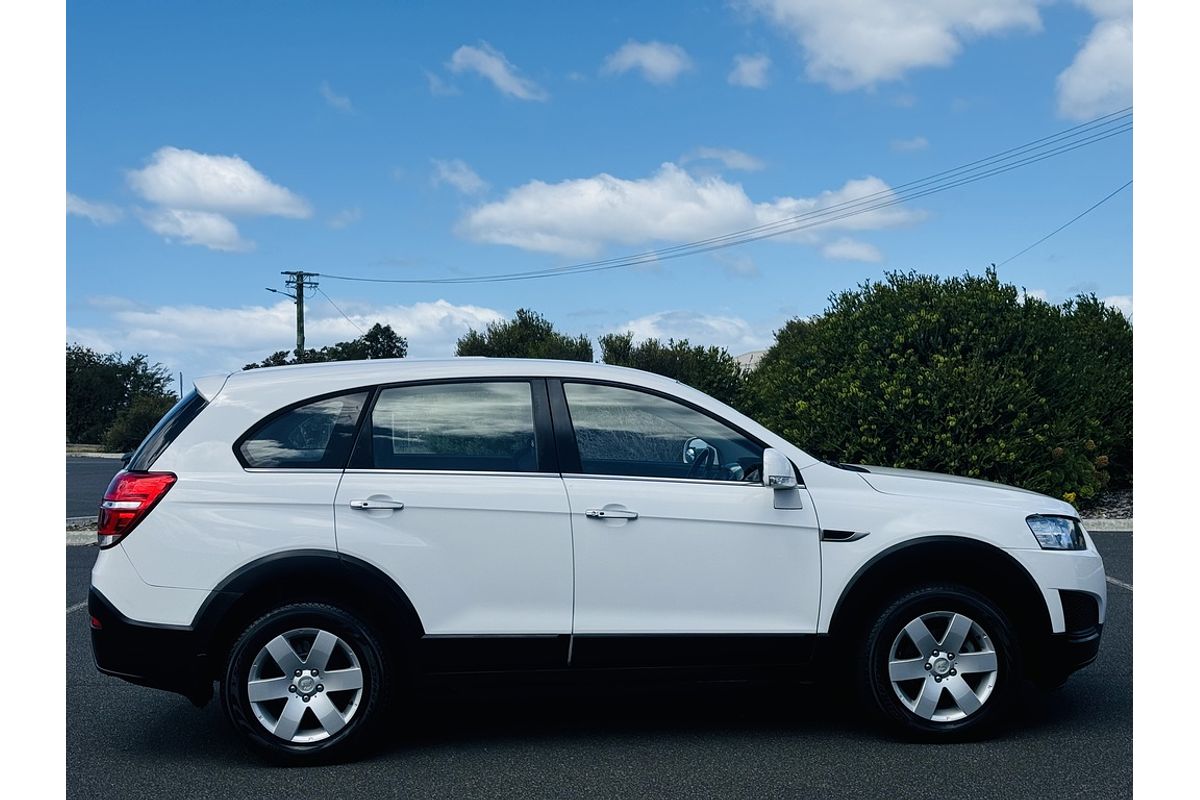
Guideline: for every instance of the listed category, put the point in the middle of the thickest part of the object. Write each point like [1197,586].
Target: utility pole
[298,280]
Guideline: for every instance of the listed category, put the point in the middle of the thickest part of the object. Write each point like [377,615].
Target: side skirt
[439,654]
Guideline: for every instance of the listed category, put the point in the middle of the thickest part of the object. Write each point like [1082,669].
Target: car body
[414,518]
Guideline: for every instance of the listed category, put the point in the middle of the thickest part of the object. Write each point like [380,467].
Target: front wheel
[941,663]
[304,683]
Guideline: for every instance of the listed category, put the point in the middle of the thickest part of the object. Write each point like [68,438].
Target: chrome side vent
[829,535]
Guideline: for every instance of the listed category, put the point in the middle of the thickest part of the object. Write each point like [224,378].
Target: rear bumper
[166,657]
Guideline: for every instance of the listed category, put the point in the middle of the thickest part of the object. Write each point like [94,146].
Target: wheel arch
[303,575]
[972,563]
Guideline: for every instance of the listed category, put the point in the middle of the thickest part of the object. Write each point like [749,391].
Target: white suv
[318,538]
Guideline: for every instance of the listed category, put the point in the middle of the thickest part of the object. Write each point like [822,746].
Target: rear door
[676,536]
[454,491]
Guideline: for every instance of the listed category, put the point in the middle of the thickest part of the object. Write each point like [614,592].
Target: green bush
[378,342]
[527,335]
[134,423]
[959,375]
[712,370]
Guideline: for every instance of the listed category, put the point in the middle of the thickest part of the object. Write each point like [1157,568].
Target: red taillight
[127,501]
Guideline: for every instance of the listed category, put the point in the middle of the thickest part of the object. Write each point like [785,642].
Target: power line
[956,177]
[343,313]
[1069,223]
[1054,145]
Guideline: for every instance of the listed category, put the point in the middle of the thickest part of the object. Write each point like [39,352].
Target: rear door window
[315,435]
[469,426]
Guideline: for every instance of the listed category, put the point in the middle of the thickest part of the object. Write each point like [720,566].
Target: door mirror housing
[778,472]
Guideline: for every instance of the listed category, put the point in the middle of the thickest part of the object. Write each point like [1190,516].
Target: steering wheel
[703,460]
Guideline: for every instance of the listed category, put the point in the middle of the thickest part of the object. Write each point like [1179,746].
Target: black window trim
[362,457]
[268,419]
[568,447]
[166,431]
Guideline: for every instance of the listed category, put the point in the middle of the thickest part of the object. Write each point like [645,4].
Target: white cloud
[185,179]
[738,265]
[1100,79]
[750,71]
[847,249]
[205,339]
[910,145]
[98,213]
[491,64]
[850,44]
[458,174]
[581,217]
[338,101]
[732,159]
[658,62]
[733,333]
[205,228]
[1121,302]
[1037,294]
[345,218]
[438,87]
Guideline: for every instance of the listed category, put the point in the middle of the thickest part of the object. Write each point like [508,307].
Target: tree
[960,375]
[527,335]
[134,423]
[100,386]
[380,341]
[712,370]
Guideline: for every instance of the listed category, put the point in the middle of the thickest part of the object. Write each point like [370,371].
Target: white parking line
[1116,582]
[77,606]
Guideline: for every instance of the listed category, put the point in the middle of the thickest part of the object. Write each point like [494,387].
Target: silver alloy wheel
[943,666]
[305,685]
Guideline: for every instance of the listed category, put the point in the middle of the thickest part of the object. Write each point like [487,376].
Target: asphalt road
[87,478]
[703,741]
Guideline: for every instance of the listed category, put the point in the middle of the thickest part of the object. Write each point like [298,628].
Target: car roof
[334,375]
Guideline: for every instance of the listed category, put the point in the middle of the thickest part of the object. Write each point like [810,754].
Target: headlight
[1057,533]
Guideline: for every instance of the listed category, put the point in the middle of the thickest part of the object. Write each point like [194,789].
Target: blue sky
[211,145]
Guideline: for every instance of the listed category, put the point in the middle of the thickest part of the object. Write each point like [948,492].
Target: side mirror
[778,472]
[126,458]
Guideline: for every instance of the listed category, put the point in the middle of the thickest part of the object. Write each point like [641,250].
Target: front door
[678,544]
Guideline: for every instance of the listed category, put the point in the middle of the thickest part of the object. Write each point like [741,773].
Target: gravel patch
[1111,505]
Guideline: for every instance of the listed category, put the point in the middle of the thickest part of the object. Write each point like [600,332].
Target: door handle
[368,505]
[611,513]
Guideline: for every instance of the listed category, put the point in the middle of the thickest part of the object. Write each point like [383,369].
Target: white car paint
[474,554]
[701,557]
[516,553]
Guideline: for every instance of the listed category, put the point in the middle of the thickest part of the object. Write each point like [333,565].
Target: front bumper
[159,656]
[1075,647]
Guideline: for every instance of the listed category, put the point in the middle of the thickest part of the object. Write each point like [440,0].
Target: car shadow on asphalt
[451,719]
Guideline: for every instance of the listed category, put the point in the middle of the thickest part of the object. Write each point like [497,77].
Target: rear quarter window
[317,434]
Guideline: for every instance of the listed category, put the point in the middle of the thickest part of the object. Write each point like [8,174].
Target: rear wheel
[304,683]
[941,662]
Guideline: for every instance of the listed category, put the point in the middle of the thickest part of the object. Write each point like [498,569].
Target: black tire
[876,684]
[365,646]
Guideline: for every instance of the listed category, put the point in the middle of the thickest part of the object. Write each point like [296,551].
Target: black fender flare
[352,580]
[1024,588]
